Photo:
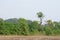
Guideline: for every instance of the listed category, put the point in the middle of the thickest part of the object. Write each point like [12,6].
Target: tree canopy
[23,26]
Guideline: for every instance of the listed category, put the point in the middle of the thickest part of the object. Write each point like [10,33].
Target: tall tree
[40,15]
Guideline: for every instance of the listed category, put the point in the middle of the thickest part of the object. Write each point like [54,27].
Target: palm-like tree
[49,22]
[40,15]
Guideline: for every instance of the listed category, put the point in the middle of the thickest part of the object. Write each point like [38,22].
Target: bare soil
[29,37]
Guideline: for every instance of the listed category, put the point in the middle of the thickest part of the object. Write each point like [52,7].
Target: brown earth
[29,37]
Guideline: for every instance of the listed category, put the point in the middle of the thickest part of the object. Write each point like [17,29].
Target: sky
[28,9]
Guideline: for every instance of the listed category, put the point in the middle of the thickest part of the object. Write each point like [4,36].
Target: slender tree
[40,15]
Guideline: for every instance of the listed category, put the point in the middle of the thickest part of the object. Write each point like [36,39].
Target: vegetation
[22,26]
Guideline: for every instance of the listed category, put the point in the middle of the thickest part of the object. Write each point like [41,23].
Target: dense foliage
[22,26]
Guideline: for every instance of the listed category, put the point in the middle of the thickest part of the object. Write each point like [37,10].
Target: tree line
[22,26]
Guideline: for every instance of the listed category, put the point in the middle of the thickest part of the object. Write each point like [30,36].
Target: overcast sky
[28,9]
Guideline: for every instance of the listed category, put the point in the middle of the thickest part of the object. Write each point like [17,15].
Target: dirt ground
[29,37]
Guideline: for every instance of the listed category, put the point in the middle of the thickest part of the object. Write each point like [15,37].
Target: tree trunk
[40,21]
